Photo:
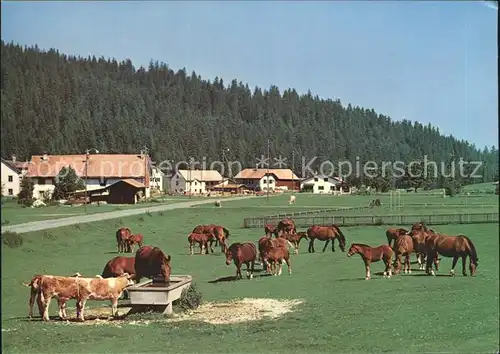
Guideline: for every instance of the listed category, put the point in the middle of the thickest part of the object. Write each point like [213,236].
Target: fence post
[460,218]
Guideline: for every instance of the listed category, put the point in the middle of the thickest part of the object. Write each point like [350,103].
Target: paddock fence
[304,221]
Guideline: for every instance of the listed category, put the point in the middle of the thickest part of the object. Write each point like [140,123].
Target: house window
[195,190]
[271,181]
[11,192]
[332,188]
[176,183]
[195,183]
[41,180]
[11,178]
[325,179]
[315,179]
[321,188]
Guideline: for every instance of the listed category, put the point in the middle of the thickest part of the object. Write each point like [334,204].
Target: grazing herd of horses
[273,252]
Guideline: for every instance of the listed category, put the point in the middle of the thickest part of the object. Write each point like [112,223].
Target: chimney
[14,158]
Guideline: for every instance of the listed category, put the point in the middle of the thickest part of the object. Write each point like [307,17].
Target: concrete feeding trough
[157,295]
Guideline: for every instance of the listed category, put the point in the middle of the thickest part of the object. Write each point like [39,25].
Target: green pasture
[14,213]
[341,311]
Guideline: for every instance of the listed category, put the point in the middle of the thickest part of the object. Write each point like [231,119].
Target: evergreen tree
[66,182]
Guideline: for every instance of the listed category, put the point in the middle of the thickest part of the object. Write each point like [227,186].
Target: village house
[12,173]
[260,179]
[158,179]
[97,170]
[322,184]
[229,186]
[194,181]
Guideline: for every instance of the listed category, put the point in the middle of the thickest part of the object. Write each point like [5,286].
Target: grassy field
[14,213]
[340,312]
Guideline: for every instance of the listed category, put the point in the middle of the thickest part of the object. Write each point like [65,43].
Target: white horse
[291,200]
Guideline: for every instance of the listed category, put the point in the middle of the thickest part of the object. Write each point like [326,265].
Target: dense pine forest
[60,104]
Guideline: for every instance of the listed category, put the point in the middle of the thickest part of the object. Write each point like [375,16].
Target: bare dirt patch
[236,311]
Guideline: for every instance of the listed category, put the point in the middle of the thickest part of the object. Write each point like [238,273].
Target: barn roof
[201,175]
[99,165]
[258,173]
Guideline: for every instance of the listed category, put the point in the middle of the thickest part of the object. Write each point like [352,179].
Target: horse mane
[361,244]
[473,252]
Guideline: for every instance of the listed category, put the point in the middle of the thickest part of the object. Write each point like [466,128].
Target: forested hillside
[62,104]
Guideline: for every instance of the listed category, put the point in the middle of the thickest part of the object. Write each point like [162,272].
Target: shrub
[190,299]
[12,239]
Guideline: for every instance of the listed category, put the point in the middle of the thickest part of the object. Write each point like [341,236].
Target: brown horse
[151,261]
[373,254]
[122,235]
[270,230]
[204,240]
[403,246]
[275,254]
[220,233]
[275,242]
[393,233]
[118,266]
[137,239]
[419,237]
[242,253]
[325,233]
[295,239]
[452,246]
[286,225]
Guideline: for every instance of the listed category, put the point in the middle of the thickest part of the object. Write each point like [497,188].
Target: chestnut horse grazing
[275,242]
[201,239]
[452,246]
[121,237]
[275,254]
[286,225]
[151,261]
[220,233]
[373,254]
[134,240]
[403,246]
[325,233]
[393,233]
[242,253]
[119,266]
[294,239]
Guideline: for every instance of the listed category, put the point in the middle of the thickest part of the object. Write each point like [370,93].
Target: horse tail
[473,252]
[226,232]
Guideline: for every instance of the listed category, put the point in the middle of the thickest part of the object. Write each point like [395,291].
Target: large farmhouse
[97,170]
[12,173]
[324,184]
[263,179]
[194,181]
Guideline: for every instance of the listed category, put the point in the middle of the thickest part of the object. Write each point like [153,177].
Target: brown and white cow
[81,289]
[35,285]
[101,289]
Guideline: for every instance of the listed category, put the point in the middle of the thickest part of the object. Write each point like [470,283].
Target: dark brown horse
[151,261]
[295,239]
[242,253]
[133,240]
[419,236]
[274,255]
[403,246]
[122,235]
[393,233]
[325,233]
[452,246]
[118,266]
[286,225]
[270,230]
[220,233]
[373,254]
[204,240]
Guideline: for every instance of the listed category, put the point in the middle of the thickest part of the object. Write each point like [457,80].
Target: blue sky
[427,61]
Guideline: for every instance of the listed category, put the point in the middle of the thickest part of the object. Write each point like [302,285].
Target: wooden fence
[304,221]
[312,212]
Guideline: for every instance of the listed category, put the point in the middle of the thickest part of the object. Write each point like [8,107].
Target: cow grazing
[36,285]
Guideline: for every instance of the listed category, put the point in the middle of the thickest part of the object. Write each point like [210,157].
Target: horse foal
[373,254]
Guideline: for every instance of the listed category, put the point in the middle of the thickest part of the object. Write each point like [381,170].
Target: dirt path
[53,223]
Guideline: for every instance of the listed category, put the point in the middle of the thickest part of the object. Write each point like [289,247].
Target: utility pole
[87,153]
[190,181]
[268,162]
[293,168]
